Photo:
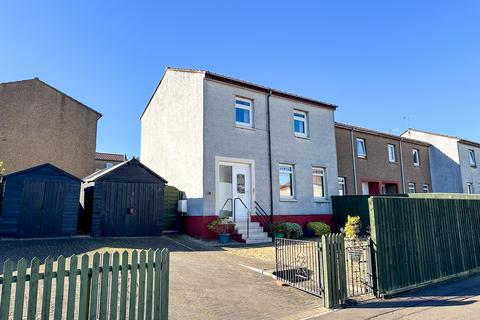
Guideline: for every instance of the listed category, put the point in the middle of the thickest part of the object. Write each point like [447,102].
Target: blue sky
[380,61]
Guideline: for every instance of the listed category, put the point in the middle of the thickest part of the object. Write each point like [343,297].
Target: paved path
[205,282]
[452,300]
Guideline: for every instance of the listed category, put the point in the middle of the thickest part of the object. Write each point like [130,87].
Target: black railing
[358,262]
[264,219]
[299,264]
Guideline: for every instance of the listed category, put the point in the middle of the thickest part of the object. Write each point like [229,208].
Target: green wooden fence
[334,271]
[344,206]
[114,286]
[419,241]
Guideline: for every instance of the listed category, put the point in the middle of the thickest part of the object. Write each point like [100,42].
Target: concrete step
[263,240]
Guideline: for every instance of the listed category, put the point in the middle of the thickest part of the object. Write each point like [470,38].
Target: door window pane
[240,183]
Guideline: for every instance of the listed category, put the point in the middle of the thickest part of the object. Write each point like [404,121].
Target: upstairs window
[109,165]
[286,180]
[469,188]
[391,153]
[243,112]
[412,187]
[361,148]
[342,186]
[426,188]
[416,157]
[300,123]
[471,158]
[318,175]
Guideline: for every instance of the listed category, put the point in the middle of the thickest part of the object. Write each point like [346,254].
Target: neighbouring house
[40,124]
[240,149]
[107,160]
[124,200]
[453,162]
[372,162]
[40,202]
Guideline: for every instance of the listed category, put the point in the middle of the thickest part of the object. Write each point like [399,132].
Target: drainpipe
[269,135]
[401,165]
[353,162]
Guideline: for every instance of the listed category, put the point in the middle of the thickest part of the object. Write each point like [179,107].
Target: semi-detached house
[235,146]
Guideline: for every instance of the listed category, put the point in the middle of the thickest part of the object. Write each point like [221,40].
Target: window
[342,186]
[469,188]
[286,180]
[318,177]
[391,153]
[365,188]
[300,123]
[412,187]
[416,157]
[361,149]
[471,158]
[109,165]
[426,188]
[243,112]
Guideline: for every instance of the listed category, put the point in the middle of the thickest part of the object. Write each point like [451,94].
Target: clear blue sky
[378,60]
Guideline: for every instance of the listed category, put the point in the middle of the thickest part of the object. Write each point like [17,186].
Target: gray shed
[125,200]
[42,201]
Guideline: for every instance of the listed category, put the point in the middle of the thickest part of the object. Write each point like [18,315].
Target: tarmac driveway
[205,282]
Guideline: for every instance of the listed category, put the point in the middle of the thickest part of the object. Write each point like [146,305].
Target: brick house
[372,162]
[105,160]
[221,139]
[40,124]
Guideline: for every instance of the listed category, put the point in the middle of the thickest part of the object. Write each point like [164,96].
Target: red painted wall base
[196,226]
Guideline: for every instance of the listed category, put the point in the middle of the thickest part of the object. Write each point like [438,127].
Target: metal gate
[359,269]
[299,264]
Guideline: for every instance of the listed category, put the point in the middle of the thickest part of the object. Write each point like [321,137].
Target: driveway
[452,300]
[205,282]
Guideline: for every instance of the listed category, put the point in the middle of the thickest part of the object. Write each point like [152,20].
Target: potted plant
[277,229]
[224,227]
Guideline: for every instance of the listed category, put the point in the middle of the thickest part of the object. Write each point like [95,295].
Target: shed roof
[101,173]
[45,165]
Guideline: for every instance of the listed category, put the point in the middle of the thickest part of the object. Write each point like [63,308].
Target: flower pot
[278,235]
[224,238]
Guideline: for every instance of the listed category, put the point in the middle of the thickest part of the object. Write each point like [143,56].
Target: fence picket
[149,306]
[114,287]
[84,289]
[20,289]
[104,285]
[59,287]
[6,289]
[72,286]
[124,286]
[157,285]
[33,289]
[47,288]
[141,284]
[93,307]
[164,284]
[133,286]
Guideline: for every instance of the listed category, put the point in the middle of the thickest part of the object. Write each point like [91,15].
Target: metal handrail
[229,199]
[263,216]
[235,213]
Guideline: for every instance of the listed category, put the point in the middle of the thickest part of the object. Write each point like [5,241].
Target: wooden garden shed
[40,202]
[125,200]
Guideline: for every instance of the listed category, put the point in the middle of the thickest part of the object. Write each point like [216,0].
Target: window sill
[323,200]
[240,126]
[363,158]
[288,200]
[303,137]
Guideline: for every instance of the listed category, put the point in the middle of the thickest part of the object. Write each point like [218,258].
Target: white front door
[241,190]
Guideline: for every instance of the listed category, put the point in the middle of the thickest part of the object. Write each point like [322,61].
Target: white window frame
[472,158]
[108,165]
[417,152]
[469,188]
[342,186]
[392,156]
[426,188]
[322,174]
[244,107]
[364,144]
[292,179]
[412,187]
[305,123]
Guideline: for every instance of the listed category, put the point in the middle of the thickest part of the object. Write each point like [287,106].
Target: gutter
[269,135]
[401,165]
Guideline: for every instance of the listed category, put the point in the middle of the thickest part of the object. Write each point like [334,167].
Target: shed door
[41,209]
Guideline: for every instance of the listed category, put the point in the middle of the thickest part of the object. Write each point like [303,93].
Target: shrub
[277,227]
[292,230]
[221,226]
[353,227]
[319,228]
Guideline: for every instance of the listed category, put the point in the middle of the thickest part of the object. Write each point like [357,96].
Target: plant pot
[278,235]
[224,238]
